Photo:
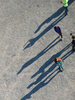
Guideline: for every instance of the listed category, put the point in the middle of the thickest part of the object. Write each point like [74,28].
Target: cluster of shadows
[41,71]
[41,82]
[49,77]
[56,14]
[33,40]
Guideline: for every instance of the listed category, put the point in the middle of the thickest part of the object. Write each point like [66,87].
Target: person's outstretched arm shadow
[40,85]
[47,63]
[32,41]
[39,55]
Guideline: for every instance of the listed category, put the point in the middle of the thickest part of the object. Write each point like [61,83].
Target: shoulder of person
[59,59]
[58,26]
[73,36]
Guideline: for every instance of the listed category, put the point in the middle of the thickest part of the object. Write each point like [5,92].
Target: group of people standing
[58,61]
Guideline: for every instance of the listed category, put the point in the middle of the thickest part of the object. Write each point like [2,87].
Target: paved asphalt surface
[28,45]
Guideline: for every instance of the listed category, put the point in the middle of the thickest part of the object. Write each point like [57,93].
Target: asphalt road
[28,45]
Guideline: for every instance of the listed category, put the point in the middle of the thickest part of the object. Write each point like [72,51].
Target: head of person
[71,34]
[55,60]
[55,27]
[73,37]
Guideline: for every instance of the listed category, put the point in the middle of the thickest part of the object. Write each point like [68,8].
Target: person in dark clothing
[73,43]
[58,30]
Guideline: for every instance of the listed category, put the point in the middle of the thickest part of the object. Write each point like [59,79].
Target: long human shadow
[56,14]
[43,74]
[40,85]
[47,63]
[49,77]
[67,55]
[70,2]
[41,70]
[32,41]
[40,54]
[45,82]
[59,11]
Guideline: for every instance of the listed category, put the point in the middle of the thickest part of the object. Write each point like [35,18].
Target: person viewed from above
[73,43]
[65,4]
[58,30]
[72,34]
[58,62]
